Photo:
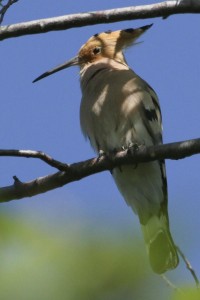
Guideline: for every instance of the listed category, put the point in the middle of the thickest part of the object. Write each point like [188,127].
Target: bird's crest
[109,44]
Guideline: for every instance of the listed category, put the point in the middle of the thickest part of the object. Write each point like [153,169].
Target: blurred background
[82,241]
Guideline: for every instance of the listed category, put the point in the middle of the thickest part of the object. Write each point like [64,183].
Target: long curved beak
[72,62]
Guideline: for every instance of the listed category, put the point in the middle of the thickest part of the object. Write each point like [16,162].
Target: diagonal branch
[162,9]
[89,167]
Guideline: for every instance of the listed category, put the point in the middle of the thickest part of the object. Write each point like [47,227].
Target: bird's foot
[101,153]
[109,155]
[132,148]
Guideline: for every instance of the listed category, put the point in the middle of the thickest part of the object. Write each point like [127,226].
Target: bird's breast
[109,106]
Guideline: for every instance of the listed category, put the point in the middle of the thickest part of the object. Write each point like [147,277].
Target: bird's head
[109,44]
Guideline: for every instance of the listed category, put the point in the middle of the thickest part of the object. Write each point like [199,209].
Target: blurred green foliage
[36,264]
[187,294]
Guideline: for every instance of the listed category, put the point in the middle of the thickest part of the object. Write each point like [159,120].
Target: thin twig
[5,7]
[35,154]
[189,267]
[162,9]
[171,285]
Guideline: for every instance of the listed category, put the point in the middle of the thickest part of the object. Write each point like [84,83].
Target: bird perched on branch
[119,109]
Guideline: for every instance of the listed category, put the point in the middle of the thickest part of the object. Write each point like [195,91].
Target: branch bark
[162,9]
[89,167]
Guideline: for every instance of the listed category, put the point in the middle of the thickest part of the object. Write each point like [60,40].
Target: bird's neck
[89,71]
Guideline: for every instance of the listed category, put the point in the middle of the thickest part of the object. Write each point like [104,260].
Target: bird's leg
[132,148]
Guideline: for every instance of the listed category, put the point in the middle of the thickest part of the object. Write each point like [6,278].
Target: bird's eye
[96,50]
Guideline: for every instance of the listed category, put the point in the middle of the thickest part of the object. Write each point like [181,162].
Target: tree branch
[89,167]
[36,154]
[162,9]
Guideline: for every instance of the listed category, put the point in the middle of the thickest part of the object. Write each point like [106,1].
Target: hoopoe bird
[119,109]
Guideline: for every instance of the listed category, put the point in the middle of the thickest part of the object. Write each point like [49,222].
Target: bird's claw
[132,148]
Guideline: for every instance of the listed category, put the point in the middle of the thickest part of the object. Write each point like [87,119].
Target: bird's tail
[160,246]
